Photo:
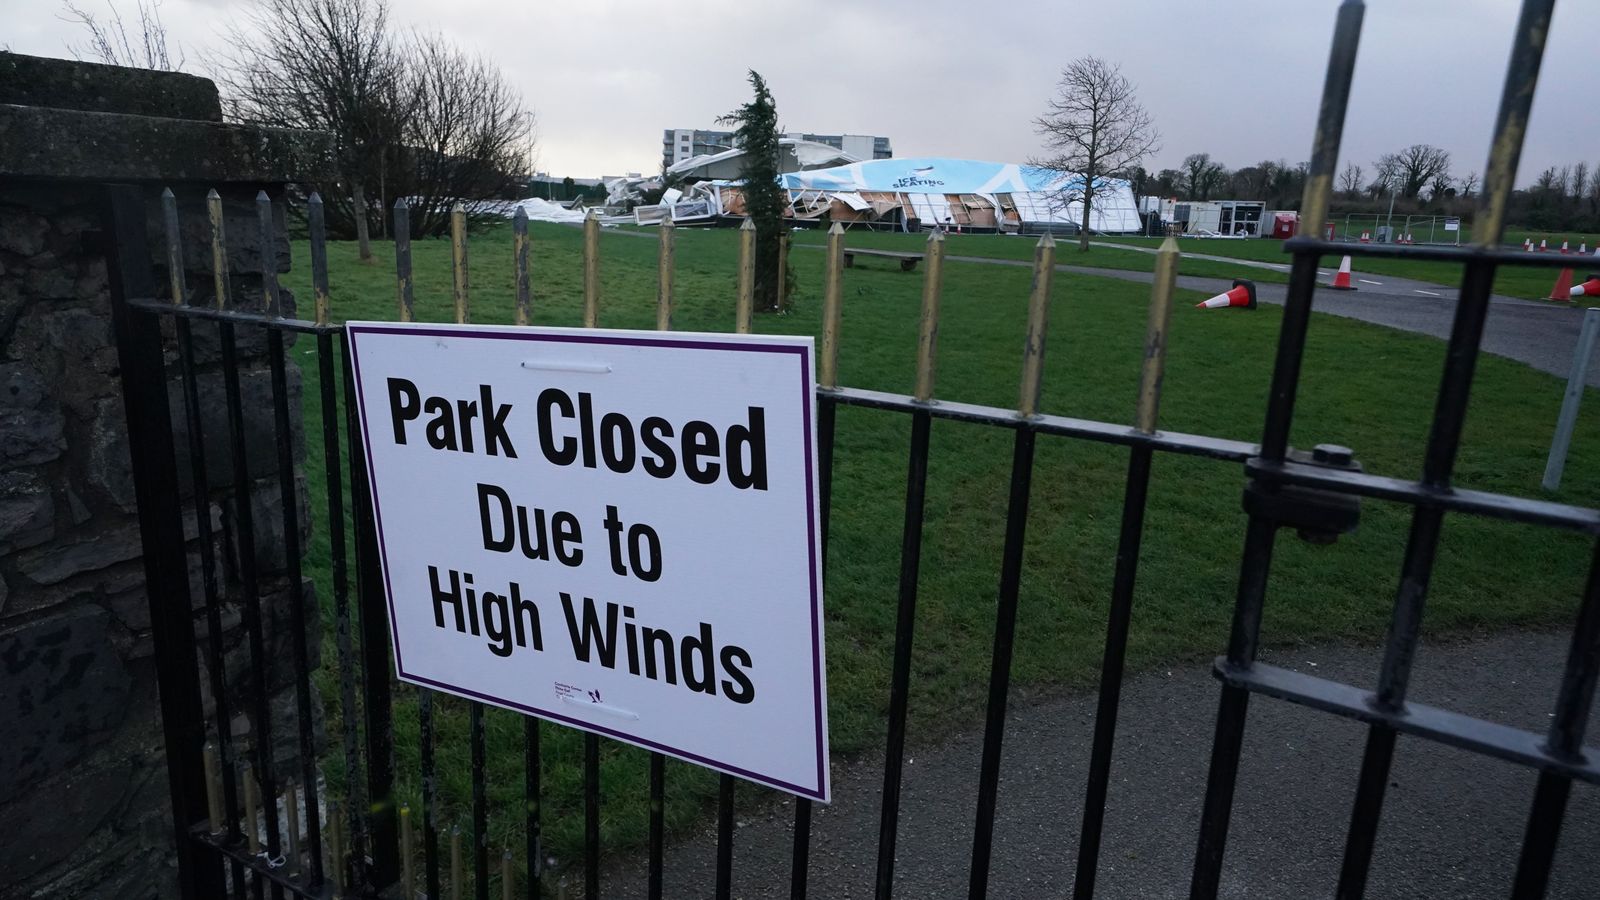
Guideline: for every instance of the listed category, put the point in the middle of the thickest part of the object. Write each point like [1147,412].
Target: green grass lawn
[1366,387]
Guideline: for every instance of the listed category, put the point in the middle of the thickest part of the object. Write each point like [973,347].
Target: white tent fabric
[539,210]
[1039,195]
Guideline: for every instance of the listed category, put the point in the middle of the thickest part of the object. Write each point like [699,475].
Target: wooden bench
[908,261]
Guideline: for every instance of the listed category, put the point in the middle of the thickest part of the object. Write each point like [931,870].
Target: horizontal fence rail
[342,820]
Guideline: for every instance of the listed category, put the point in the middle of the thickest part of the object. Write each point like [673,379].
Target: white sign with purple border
[613,530]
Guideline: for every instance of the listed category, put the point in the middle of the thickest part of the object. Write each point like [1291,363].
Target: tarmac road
[1451,828]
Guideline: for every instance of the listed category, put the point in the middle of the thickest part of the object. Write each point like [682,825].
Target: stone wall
[83,788]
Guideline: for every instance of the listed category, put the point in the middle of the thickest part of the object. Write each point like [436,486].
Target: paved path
[1452,823]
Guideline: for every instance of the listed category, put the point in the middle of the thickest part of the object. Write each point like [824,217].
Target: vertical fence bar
[530,725]
[910,568]
[657,826]
[291,805]
[289,497]
[591,741]
[456,875]
[783,270]
[404,294]
[928,325]
[214,791]
[336,850]
[225,815]
[1556,462]
[458,257]
[376,665]
[252,814]
[827,415]
[408,880]
[591,271]
[480,803]
[666,266]
[724,890]
[1044,256]
[832,309]
[166,568]
[745,304]
[244,532]
[508,877]
[1135,492]
[1565,739]
[1234,704]
[519,242]
[1444,438]
[476,737]
[355,808]
[530,759]
[591,814]
[1011,566]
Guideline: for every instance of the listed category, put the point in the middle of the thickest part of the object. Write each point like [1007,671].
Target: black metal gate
[230,811]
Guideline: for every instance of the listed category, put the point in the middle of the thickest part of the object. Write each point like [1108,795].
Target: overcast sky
[1236,78]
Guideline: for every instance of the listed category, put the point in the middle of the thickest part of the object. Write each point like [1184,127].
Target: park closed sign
[612,530]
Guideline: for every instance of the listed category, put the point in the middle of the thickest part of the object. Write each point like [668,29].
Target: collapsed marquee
[922,192]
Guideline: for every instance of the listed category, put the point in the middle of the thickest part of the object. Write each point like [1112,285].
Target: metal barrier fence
[1392,229]
[230,814]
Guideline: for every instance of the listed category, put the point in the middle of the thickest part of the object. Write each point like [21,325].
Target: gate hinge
[1319,516]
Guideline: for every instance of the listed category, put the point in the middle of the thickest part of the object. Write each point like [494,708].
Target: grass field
[1530,284]
[1363,386]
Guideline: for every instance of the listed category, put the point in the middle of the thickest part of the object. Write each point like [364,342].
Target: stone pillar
[83,791]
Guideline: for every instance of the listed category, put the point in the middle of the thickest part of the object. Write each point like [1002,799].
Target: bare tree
[1551,182]
[1094,126]
[467,133]
[1414,168]
[1469,183]
[1201,176]
[412,117]
[1440,187]
[1350,180]
[110,43]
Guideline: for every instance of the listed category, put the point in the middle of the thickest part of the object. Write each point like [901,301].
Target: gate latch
[1318,515]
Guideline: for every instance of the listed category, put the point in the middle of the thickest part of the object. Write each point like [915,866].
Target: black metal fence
[241,833]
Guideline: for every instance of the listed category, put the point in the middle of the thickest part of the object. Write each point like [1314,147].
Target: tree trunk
[1088,200]
[362,238]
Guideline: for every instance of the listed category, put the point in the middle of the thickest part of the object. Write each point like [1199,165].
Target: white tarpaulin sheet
[853,200]
[544,211]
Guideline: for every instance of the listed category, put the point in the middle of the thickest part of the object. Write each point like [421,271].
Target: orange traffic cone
[1563,287]
[1341,280]
[1243,294]
[1564,249]
[1583,248]
[1590,288]
[1366,237]
[1527,245]
[1542,247]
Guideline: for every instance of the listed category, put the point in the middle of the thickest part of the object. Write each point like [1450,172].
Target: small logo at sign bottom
[591,701]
